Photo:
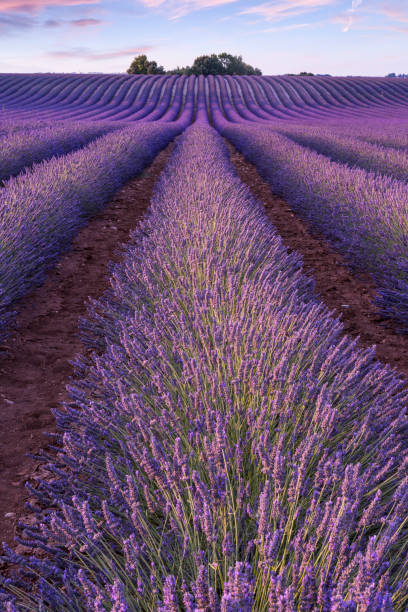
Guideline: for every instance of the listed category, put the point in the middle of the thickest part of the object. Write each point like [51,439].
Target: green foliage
[301,74]
[141,65]
[223,63]
[233,64]
[207,64]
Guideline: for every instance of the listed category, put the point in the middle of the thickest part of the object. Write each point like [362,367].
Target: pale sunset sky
[339,37]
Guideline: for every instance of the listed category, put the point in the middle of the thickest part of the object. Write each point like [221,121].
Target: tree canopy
[303,74]
[223,63]
[141,65]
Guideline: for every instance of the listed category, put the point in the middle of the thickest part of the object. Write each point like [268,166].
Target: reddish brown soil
[34,374]
[347,294]
[36,368]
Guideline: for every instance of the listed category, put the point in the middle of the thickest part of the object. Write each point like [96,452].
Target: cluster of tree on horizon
[300,74]
[223,63]
[399,76]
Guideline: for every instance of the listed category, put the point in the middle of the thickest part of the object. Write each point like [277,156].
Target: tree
[178,70]
[207,64]
[303,74]
[223,63]
[233,64]
[141,65]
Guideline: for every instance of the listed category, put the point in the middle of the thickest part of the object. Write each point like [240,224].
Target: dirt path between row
[37,366]
[349,295]
[34,375]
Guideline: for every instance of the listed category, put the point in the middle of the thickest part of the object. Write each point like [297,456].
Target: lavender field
[226,447]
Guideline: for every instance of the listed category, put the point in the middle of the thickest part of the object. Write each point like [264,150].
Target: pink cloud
[293,26]
[84,23]
[153,3]
[389,28]
[33,6]
[402,29]
[285,8]
[179,8]
[346,20]
[80,23]
[395,12]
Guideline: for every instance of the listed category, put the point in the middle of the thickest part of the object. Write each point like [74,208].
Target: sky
[337,37]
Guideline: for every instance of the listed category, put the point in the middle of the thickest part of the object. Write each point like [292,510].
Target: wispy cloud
[175,9]
[85,23]
[16,21]
[345,20]
[395,11]
[8,23]
[153,3]
[349,18]
[348,23]
[352,18]
[355,4]
[88,54]
[401,29]
[34,6]
[389,28]
[285,8]
[79,23]
[293,26]
[361,13]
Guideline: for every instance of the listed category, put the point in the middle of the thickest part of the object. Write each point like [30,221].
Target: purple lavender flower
[167,465]
[170,600]
[238,589]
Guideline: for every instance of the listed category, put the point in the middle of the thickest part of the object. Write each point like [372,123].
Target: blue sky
[340,37]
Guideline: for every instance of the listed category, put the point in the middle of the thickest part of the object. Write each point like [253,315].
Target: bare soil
[37,364]
[346,293]
[37,367]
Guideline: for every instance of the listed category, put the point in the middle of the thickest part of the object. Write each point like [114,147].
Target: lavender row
[255,99]
[24,147]
[384,131]
[11,126]
[225,447]
[349,149]
[364,215]
[388,134]
[42,209]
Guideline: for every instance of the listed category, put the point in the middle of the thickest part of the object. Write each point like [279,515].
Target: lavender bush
[24,147]
[11,126]
[382,131]
[42,209]
[256,99]
[396,139]
[225,447]
[351,150]
[363,215]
